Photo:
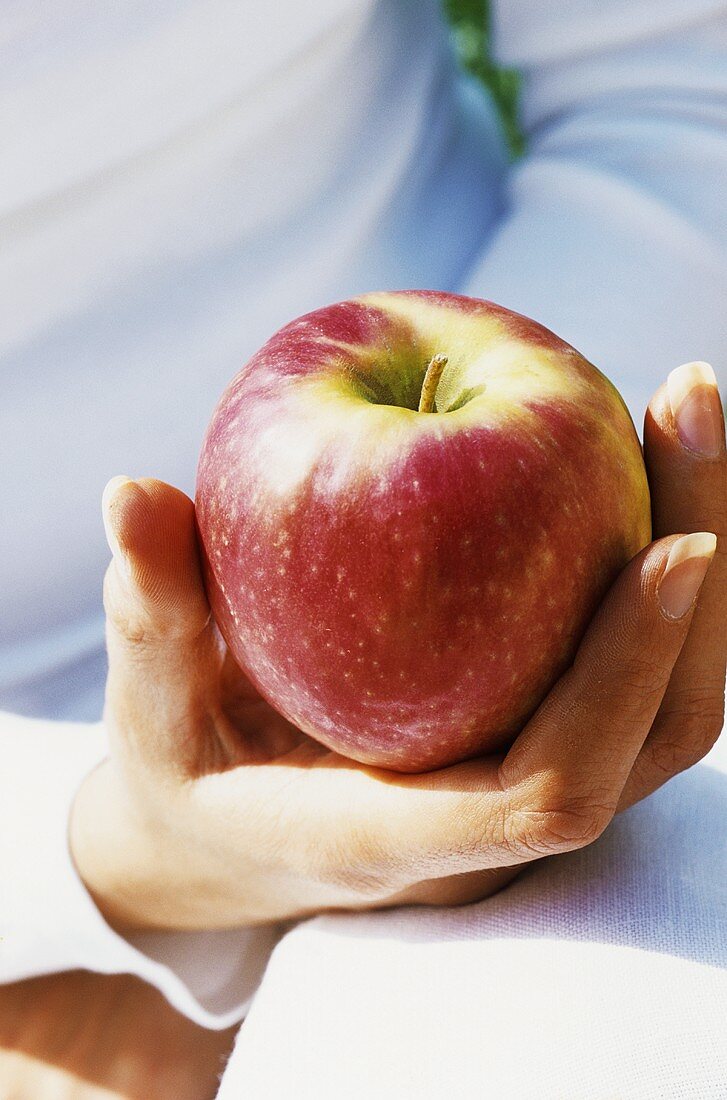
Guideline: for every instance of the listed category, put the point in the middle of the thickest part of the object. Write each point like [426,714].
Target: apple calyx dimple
[431,381]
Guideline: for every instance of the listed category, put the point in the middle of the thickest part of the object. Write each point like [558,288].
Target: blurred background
[181,179]
[471,29]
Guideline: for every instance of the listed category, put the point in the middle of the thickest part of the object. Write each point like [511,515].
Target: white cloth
[183,177]
[48,921]
[595,976]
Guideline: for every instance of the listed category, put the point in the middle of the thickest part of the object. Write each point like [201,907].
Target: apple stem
[431,381]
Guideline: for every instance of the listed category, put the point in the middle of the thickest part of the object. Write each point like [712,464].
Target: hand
[93,1036]
[214,811]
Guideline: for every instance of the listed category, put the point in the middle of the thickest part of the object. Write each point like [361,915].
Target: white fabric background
[600,975]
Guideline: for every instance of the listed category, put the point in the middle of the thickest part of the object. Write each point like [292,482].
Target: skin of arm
[103,1037]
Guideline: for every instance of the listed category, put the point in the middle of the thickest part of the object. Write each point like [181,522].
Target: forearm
[95,1031]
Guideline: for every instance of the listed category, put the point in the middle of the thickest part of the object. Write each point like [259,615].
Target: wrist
[113,853]
[141,872]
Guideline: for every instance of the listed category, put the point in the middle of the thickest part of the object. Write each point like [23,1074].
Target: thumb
[162,646]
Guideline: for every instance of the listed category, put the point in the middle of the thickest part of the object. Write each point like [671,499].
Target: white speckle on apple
[415,485]
[282,570]
[314,568]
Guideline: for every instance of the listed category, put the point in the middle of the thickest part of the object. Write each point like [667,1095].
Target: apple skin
[406,586]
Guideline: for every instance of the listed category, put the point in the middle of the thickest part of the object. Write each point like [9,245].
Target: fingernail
[697,409]
[685,569]
[109,521]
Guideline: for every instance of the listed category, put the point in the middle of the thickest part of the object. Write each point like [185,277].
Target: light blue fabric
[142,266]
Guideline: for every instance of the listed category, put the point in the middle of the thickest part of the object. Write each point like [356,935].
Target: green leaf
[470,24]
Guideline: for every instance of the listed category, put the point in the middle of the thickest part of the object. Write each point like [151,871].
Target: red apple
[405,585]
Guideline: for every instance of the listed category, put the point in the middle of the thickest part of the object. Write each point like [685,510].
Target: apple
[410,505]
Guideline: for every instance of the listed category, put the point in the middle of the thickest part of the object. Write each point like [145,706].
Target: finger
[456,889]
[557,787]
[565,773]
[163,651]
[684,447]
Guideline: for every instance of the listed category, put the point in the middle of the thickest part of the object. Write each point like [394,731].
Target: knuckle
[354,868]
[118,613]
[475,829]
[642,682]
[126,617]
[571,824]
[681,738]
